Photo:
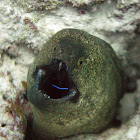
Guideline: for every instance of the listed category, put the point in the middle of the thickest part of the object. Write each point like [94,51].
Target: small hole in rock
[3,124]
[4,97]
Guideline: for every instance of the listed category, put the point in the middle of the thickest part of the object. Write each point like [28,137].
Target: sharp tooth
[60,66]
[40,73]
[46,96]
[73,92]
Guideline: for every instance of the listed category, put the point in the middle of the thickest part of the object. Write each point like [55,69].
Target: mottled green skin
[98,79]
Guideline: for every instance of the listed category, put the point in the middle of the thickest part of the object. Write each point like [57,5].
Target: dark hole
[3,124]
[4,97]
[131,84]
[81,62]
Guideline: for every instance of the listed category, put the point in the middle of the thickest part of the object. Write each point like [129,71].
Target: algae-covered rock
[38,5]
[74,85]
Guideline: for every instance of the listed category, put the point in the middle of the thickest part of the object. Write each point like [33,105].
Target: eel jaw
[54,82]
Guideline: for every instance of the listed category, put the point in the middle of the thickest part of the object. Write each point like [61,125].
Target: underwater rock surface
[74,85]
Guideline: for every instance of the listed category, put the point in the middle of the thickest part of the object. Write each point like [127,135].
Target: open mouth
[54,82]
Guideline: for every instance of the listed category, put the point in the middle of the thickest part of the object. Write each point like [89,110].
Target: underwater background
[25,28]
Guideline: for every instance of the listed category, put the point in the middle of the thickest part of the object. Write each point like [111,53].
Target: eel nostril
[63,67]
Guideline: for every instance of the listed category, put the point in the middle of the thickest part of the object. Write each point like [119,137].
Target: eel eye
[80,62]
[54,82]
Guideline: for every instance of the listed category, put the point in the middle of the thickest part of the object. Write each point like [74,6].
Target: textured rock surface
[24,33]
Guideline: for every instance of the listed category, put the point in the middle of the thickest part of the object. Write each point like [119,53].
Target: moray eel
[74,85]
